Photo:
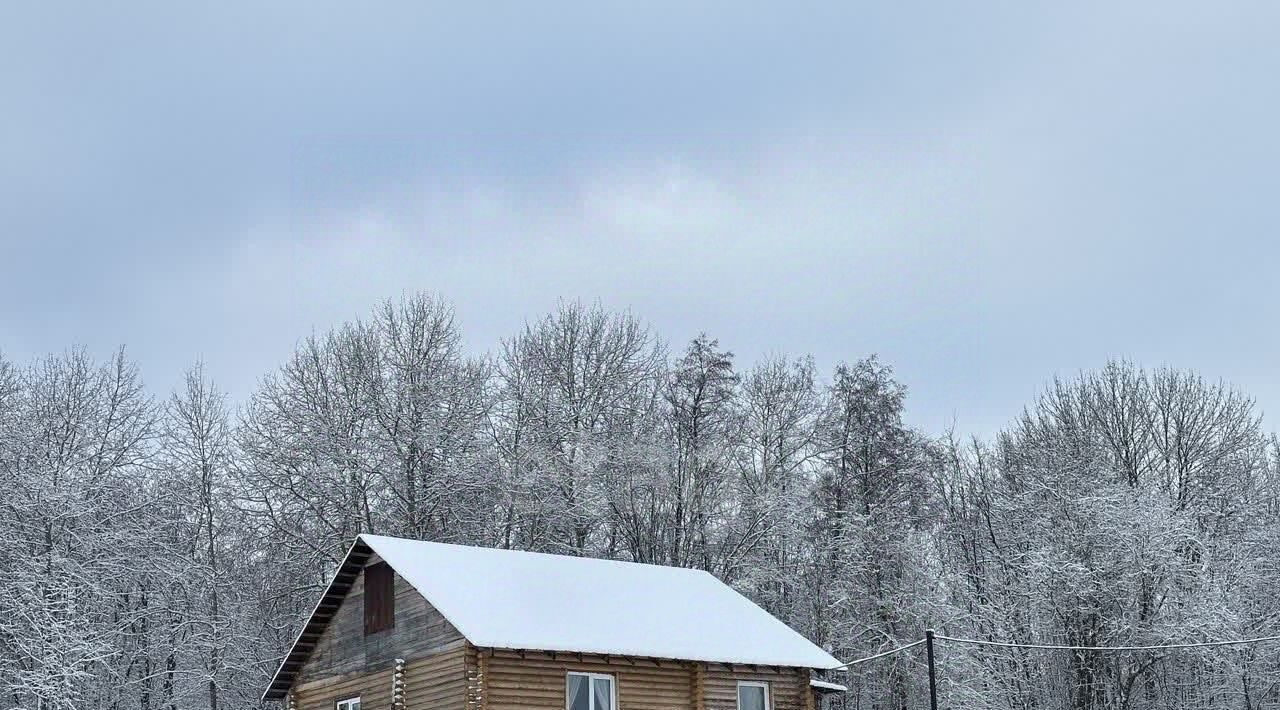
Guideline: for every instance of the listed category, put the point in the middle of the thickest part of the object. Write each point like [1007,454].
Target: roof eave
[317,621]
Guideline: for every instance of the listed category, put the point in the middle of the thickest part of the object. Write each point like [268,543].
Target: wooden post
[933,673]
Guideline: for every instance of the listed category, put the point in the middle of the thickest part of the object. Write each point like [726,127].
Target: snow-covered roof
[533,601]
[823,686]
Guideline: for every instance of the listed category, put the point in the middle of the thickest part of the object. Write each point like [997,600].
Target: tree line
[160,553]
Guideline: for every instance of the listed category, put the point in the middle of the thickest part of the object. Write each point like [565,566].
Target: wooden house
[411,625]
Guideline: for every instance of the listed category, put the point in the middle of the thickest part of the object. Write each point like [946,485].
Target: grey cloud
[985,195]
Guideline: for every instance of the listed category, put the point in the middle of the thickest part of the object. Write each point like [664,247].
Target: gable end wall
[346,663]
[343,648]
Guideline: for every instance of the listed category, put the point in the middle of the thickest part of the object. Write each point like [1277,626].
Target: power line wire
[900,649]
[1056,647]
[1160,647]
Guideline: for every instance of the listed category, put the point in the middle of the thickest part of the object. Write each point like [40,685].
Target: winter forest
[162,548]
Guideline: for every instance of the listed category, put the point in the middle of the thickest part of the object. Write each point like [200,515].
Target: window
[379,600]
[347,704]
[589,691]
[753,695]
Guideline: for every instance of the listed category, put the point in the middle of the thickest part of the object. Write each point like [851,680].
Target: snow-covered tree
[159,556]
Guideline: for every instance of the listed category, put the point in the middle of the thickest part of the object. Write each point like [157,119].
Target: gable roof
[534,601]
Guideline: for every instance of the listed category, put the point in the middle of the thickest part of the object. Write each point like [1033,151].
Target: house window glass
[347,704]
[602,694]
[589,691]
[753,696]
[579,697]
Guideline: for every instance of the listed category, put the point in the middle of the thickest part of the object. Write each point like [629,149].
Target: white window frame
[591,695]
[768,702]
[346,703]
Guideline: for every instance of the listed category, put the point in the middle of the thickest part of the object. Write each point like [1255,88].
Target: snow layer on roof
[526,600]
[829,687]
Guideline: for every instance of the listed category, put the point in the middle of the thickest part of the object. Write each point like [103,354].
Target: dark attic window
[379,598]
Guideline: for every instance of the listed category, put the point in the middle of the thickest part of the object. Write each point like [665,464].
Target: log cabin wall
[536,681]
[788,687]
[373,689]
[503,680]
[438,682]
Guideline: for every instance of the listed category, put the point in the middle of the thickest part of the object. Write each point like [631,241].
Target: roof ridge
[509,550]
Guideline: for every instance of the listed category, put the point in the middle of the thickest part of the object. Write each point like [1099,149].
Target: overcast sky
[985,195]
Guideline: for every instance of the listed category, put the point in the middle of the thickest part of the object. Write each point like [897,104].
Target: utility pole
[933,673]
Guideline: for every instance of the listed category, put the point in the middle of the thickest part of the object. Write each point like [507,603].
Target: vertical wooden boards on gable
[379,598]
